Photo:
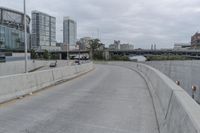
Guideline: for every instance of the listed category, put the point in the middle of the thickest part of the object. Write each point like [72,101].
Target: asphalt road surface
[109,99]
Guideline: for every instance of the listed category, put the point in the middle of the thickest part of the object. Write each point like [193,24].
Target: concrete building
[12,29]
[49,48]
[69,31]
[118,46]
[43,30]
[84,43]
[115,46]
[59,44]
[71,47]
[195,40]
[182,46]
[126,47]
[64,47]
[112,47]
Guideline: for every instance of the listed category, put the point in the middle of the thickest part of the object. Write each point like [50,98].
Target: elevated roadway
[110,99]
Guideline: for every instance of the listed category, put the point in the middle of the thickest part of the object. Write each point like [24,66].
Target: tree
[53,56]
[98,55]
[33,54]
[46,55]
[1,44]
[18,41]
[94,45]
[119,58]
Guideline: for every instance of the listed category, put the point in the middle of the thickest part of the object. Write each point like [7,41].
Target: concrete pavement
[110,99]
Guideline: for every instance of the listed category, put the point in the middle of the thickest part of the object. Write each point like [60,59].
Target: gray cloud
[141,22]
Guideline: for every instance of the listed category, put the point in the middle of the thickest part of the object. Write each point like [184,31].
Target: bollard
[194,88]
[178,83]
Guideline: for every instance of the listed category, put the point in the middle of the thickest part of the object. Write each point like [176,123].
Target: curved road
[109,99]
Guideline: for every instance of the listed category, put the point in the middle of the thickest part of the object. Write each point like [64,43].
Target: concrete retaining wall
[16,67]
[187,72]
[176,111]
[14,86]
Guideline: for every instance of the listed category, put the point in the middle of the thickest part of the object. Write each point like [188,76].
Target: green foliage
[40,56]
[94,45]
[54,56]
[46,55]
[119,58]
[1,44]
[33,54]
[165,57]
[98,55]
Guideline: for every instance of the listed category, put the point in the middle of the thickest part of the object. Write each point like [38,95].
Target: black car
[53,64]
[77,61]
[2,58]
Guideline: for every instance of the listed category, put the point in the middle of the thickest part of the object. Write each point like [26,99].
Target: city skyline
[137,22]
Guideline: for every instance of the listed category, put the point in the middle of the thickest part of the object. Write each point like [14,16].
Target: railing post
[178,83]
[194,88]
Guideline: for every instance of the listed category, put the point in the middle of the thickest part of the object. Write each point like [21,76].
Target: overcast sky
[139,22]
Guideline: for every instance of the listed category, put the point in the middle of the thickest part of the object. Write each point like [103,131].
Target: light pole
[79,54]
[68,52]
[25,38]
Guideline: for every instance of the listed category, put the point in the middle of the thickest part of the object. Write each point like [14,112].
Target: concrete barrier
[187,72]
[17,67]
[176,111]
[14,86]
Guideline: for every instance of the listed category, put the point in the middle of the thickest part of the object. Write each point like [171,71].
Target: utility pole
[79,53]
[25,38]
[68,53]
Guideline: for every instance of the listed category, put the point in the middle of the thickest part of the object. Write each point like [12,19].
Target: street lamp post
[25,38]
[79,54]
[68,52]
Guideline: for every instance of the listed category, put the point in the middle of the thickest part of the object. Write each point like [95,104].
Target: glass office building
[69,31]
[43,30]
[12,29]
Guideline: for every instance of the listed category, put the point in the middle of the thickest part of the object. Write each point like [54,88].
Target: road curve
[110,99]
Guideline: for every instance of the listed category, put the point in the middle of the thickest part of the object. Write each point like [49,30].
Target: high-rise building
[69,31]
[43,30]
[12,29]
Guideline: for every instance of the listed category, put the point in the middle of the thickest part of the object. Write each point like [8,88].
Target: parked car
[77,62]
[54,64]
[2,58]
